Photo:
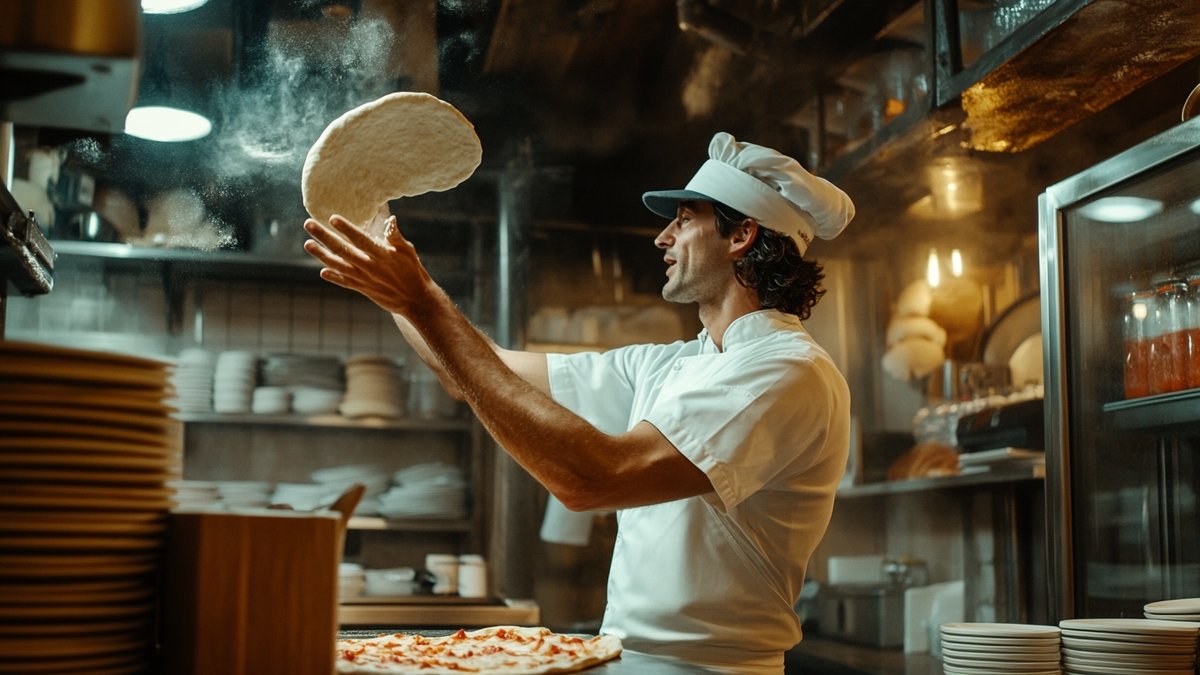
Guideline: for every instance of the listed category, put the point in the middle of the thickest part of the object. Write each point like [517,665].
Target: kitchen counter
[817,656]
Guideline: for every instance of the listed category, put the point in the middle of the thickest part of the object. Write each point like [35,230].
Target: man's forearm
[418,344]
[524,420]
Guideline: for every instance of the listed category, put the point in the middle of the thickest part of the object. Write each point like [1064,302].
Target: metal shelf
[461,424]
[182,264]
[999,475]
[1177,411]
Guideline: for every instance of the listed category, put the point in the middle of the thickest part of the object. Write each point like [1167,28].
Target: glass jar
[1193,331]
[1168,349]
[1139,308]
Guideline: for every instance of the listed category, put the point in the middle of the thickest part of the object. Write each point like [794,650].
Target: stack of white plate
[87,448]
[352,579]
[999,649]
[193,380]
[432,490]
[245,494]
[271,401]
[300,370]
[194,495]
[1182,609]
[302,496]
[1129,646]
[374,387]
[315,401]
[234,378]
[338,479]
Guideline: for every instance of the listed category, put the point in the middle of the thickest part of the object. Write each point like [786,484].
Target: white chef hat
[765,185]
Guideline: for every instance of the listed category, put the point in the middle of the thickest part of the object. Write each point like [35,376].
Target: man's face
[697,257]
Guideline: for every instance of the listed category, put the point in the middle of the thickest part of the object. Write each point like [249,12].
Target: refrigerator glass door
[1119,243]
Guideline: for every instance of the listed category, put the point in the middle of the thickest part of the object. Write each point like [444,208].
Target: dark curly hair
[774,268]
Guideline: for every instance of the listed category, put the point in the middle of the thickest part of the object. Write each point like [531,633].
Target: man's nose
[663,238]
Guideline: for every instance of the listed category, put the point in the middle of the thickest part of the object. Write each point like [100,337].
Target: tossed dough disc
[400,145]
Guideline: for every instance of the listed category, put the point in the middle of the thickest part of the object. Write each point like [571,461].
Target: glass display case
[1120,256]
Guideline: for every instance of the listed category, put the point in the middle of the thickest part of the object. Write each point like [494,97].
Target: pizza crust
[501,650]
[400,145]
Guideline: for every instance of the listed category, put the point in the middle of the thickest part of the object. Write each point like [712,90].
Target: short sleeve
[749,425]
[602,387]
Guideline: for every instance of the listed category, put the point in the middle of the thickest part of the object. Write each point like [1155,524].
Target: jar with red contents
[1139,314]
[1169,346]
[1193,331]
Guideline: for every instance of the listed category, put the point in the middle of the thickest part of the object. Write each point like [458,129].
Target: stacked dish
[87,448]
[199,495]
[1129,646]
[374,387]
[1183,609]
[193,380]
[338,479]
[351,580]
[1000,649]
[432,490]
[233,381]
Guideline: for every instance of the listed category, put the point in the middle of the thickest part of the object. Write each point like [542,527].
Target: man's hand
[385,268]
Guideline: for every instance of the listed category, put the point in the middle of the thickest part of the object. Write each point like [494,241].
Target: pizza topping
[505,650]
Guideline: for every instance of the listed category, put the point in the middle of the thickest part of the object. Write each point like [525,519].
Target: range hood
[54,55]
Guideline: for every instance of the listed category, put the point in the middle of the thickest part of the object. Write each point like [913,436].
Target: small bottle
[472,576]
[444,568]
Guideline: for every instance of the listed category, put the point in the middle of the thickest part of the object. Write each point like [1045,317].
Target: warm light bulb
[933,273]
[170,6]
[160,123]
[956,263]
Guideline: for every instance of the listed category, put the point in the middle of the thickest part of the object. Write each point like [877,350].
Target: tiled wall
[127,311]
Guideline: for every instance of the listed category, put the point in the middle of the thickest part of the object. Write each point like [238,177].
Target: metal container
[865,614]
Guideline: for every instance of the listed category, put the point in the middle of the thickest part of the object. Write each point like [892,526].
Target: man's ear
[743,237]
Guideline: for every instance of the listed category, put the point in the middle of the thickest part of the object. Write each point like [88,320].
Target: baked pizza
[505,650]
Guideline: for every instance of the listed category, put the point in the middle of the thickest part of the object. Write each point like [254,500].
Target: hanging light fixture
[170,6]
[159,114]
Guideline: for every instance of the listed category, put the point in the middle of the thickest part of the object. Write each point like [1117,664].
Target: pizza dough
[501,650]
[400,145]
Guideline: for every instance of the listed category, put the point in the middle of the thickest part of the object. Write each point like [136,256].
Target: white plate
[1133,626]
[1001,652]
[1007,630]
[1177,606]
[1106,646]
[1131,660]
[1006,664]
[1138,638]
[983,642]
[1173,617]
[958,670]
[1123,670]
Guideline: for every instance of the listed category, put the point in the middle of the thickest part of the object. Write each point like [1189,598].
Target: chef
[720,455]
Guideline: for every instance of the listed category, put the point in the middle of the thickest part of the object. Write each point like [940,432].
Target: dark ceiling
[606,98]
[622,95]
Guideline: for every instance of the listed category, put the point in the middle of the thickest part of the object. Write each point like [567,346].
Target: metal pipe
[7,153]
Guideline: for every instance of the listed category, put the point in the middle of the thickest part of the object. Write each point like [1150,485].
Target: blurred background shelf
[1016,472]
[366,523]
[331,421]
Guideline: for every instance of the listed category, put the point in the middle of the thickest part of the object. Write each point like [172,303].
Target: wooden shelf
[331,421]
[374,523]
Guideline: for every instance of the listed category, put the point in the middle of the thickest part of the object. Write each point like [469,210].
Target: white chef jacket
[713,579]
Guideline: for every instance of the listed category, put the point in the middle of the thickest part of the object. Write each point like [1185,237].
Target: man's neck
[717,317]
